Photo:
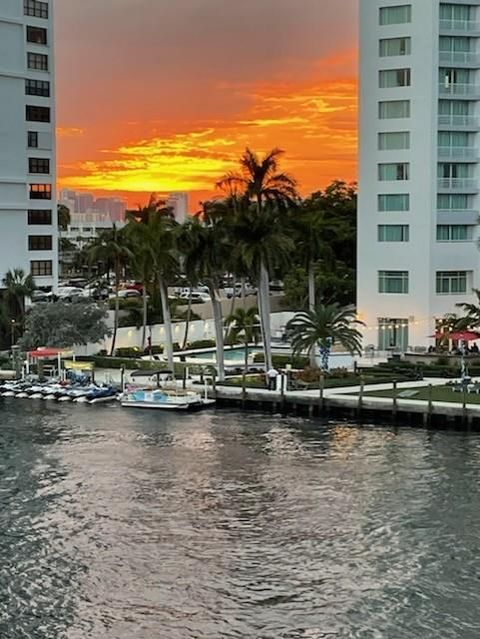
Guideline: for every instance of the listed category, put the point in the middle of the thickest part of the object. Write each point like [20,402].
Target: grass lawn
[439,394]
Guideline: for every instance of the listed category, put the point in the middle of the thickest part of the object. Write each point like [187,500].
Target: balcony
[469,27]
[455,216]
[457,58]
[458,122]
[460,90]
[459,185]
[468,153]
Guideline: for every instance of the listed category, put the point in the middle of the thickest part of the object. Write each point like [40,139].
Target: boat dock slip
[399,402]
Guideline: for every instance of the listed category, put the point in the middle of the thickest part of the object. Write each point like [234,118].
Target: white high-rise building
[28,219]
[419,159]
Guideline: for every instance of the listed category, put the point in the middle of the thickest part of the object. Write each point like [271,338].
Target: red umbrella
[464,336]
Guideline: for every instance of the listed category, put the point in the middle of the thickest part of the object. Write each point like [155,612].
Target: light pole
[12,325]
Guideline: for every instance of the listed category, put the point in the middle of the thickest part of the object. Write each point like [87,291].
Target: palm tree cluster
[255,232]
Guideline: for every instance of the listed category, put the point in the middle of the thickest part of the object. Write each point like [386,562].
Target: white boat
[159,390]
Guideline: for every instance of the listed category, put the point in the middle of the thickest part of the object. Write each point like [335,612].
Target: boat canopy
[47,353]
[146,373]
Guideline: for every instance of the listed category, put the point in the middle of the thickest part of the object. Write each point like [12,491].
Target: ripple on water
[125,525]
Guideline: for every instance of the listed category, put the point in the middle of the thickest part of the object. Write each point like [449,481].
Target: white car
[126,293]
[196,296]
[237,291]
[67,293]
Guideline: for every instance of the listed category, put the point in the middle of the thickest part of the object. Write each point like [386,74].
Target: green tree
[271,193]
[470,319]
[18,286]
[205,260]
[244,325]
[64,325]
[111,247]
[323,327]
[160,254]
[63,216]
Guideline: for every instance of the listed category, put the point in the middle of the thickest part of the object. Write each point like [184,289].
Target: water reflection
[120,525]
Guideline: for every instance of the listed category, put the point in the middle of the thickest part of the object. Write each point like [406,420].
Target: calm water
[138,525]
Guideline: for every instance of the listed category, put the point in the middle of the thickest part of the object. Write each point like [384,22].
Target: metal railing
[459,57]
[458,152]
[467,26]
[458,183]
[455,88]
[457,211]
[458,121]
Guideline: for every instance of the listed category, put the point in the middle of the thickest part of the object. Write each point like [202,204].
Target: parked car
[67,293]
[185,290]
[237,290]
[126,293]
[96,292]
[197,297]
[40,296]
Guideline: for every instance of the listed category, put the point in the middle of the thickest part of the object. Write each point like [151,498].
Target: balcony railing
[457,211]
[458,152]
[457,184]
[458,57]
[466,26]
[463,121]
[459,89]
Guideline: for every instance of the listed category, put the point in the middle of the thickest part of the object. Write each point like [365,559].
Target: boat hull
[184,406]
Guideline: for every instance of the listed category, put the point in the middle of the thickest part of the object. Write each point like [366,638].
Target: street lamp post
[12,325]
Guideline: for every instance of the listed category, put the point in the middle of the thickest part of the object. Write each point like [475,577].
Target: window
[393,233]
[456,44]
[394,141]
[454,170]
[36,35]
[39,242]
[393,282]
[37,61]
[394,109]
[456,12]
[38,87]
[395,46]
[39,165]
[453,233]
[40,191]
[454,139]
[392,333]
[453,202]
[35,8]
[40,217]
[451,282]
[391,78]
[41,268]
[32,140]
[449,77]
[394,202]
[401,14]
[37,114]
[393,172]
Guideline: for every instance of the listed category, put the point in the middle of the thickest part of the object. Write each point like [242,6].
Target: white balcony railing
[457,211]
[457,57]
[456,184]
[459,89]
[466,26]
[458,152]
[463,121]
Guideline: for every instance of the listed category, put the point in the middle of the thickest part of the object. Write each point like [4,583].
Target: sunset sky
[163,95]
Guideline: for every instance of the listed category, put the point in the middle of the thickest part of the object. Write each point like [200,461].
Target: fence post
[395,402]
[321,387]
[360,396]
[430,402]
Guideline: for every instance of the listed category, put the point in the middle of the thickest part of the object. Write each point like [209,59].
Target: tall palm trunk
[218,323]
[188,320]
[244,293]
[116,312]
[264,304]
[167,322]
[144,316]
[311,307]
[246,355]
[232,311]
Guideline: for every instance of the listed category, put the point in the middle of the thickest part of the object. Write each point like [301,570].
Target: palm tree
[18,286]
[111,247]
[209,253]
[159,255]
[471,319]
[271,192]
[246,326]
[324,326]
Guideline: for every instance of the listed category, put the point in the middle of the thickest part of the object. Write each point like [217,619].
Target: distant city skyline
[179,113]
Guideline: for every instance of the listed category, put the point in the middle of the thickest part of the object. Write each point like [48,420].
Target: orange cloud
[315,123]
